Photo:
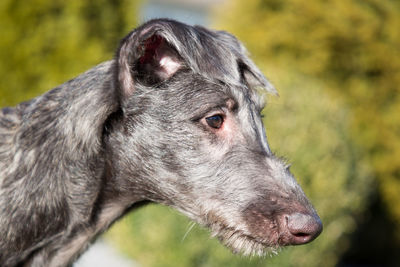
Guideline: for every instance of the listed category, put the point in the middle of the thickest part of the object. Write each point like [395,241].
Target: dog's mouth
[261,236]
[242,243]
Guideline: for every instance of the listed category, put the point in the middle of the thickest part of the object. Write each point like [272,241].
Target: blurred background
[336,65]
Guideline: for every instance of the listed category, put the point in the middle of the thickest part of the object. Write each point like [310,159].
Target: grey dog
[173,119]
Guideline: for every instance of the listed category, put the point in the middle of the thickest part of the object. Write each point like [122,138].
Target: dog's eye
[215,121]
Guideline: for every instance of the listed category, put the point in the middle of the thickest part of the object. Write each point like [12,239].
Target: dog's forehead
[244,96]
[198,92]
[214,57]
[220,57]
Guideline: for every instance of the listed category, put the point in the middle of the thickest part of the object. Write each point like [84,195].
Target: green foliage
[44,43]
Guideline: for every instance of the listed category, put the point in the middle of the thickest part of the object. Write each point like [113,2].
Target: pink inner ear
[159,57]
[150,46]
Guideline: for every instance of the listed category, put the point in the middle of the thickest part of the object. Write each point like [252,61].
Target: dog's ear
[248,70]
[146,57]
[255,78]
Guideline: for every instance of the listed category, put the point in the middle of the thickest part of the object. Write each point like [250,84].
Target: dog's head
[190,135]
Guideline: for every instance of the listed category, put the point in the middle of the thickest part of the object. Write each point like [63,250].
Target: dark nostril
[303,228]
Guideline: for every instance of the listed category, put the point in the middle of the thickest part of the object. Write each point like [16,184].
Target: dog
[174,119]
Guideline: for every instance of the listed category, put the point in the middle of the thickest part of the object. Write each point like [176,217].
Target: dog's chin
[242,243]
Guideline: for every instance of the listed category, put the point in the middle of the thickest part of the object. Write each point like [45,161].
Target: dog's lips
[239,238]
[241,242]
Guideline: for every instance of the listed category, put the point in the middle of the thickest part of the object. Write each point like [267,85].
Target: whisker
[192,224]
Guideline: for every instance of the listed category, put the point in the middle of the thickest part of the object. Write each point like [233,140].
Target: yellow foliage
[45,43]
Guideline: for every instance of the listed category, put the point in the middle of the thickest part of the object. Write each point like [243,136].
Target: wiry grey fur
[134,130]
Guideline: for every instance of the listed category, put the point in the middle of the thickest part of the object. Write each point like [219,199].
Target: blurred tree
[46,42]
[353,48]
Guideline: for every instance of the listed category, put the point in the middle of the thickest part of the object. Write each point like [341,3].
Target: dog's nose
[302,228]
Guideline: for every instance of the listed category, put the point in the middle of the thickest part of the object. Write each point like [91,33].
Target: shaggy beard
[241,243]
